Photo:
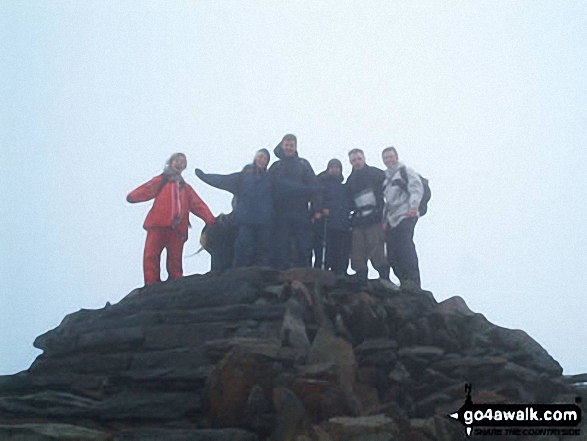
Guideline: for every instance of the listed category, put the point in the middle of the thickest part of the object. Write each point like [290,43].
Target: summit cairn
[254,354]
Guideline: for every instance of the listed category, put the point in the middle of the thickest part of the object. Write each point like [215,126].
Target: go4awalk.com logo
[518,419]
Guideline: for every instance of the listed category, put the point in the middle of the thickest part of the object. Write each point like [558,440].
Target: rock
[369,346]
[526,351]
[291,420]
[217,349]
[230,384]
[148,406]
[309,275]
[232,351]
[454,305]
[50,432]
[575,379]
[158,434]
[376,428]
[437,428]
[430,353]
[326,348]
[49,404]
[293,332]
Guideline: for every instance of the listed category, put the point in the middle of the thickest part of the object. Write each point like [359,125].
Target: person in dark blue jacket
[293,215]
[254,209]
[332,229]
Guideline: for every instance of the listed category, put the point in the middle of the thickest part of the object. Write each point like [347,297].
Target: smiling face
[389,158]
[261,160]
[289,148]
[178,163]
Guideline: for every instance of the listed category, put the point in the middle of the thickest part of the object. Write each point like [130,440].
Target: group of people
[285,213]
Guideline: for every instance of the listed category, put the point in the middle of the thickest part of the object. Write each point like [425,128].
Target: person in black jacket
[253,211]
[293,216]
[365,191]
[332,227]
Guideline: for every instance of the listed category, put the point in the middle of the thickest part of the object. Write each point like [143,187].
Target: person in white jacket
[402,191]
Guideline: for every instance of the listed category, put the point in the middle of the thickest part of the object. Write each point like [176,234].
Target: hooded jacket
[253,190]
[365,191]
[334,198]
[298,171]
[174,199]
[399,195]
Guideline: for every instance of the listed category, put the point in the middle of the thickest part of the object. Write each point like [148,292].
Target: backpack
[403,184]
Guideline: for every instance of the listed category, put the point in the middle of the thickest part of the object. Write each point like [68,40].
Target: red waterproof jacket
[173,202]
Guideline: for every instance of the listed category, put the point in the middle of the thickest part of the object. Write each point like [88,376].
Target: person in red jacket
[167,221]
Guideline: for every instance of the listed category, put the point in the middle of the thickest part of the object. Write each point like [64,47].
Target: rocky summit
[255,354]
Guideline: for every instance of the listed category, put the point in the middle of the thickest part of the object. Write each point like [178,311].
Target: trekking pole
[323,266]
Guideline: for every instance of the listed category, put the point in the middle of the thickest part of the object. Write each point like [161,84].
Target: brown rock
[230,384]
[326,348]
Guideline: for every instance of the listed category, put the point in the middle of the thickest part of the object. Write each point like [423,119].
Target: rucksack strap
[403,182]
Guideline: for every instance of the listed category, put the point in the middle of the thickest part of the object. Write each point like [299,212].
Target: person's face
[334,170]
[178,164]
[289,148]
[357,161]
[389,158]
[261,160]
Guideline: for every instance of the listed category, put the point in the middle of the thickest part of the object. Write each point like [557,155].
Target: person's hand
[317,216]
[412,212]
[199,173]
[326,212]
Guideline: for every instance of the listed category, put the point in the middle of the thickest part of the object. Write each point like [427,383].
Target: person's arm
[146,191]
[230,183]
[310,179]
[384,223]
[416,191]
[198,207]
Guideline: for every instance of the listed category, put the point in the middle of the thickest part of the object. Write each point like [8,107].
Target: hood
[279,151]
[325,176]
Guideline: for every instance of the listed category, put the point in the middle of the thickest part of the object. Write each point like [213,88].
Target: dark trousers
[222,256]
[401,251]
[252,246]
[293,243]
[338,248]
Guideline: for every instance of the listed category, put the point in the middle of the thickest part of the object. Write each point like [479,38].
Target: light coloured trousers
[367,245]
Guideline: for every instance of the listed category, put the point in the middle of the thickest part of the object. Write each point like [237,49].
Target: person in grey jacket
[402,191]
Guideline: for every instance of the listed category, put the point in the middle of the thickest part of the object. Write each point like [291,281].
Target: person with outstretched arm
[167,221]
[253,209]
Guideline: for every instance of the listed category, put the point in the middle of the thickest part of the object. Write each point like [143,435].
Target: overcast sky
[488,99]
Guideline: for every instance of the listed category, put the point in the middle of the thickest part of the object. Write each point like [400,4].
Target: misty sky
[487,99]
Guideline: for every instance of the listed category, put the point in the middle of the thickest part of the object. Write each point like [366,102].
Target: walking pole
[323,266]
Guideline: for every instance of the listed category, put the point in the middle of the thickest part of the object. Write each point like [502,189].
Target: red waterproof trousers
[159,238]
